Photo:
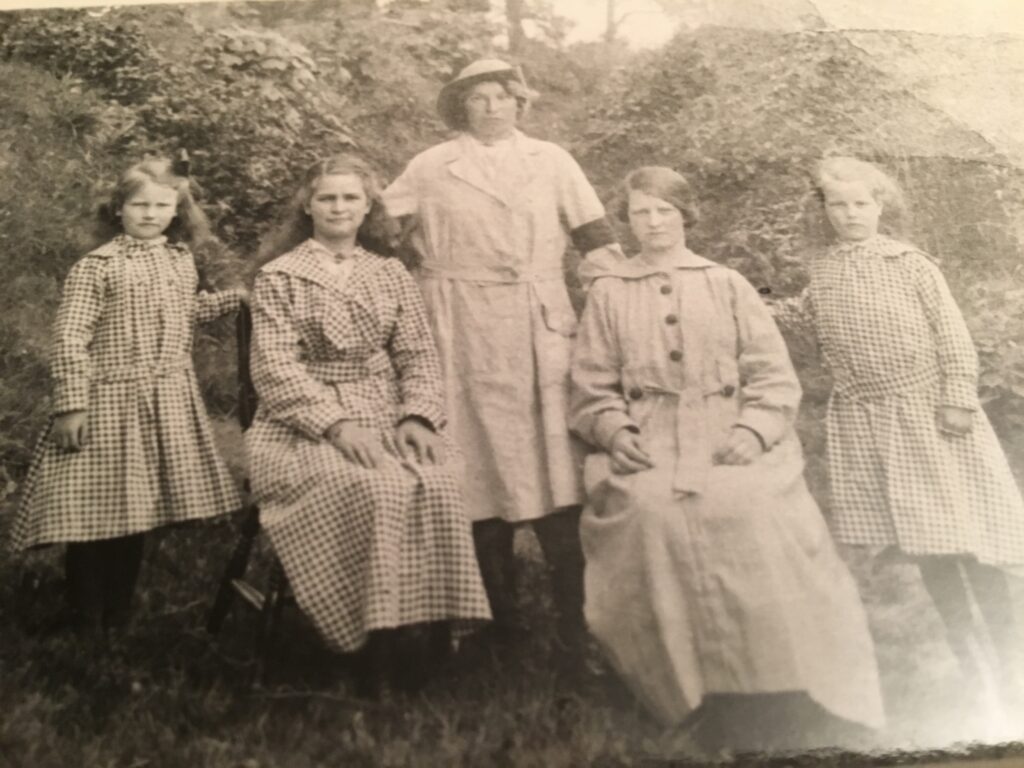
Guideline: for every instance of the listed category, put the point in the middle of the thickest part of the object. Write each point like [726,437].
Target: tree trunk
[514,16]
[611,25]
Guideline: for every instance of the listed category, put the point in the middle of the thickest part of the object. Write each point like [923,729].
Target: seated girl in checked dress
[913,461]
[355,478]
[129,447]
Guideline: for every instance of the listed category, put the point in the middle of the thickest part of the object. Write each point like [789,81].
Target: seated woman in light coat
[350,465]
[711,581]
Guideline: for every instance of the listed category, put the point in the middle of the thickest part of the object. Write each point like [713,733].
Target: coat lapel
[464,166]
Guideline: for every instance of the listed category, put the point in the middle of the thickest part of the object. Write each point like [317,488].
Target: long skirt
[738,590]
[365,549]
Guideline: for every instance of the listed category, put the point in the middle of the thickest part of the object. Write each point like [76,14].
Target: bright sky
[646,24]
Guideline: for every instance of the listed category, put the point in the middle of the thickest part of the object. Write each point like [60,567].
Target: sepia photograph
[511,383]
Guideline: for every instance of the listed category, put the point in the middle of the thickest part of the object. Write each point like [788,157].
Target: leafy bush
[745,116]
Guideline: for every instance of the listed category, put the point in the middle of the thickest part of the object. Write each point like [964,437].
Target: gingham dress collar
[879,245]
[126,245]
[306,261]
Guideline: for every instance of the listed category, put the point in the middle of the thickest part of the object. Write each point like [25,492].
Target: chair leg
[270,619]
[236,569]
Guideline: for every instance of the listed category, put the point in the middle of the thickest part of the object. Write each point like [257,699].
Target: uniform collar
[607,264]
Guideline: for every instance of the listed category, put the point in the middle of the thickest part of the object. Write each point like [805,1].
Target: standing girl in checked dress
[913,460]
[356,481]
[129,447]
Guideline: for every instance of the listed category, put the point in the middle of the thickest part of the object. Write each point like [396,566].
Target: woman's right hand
[356,443]
[628,454]
[70,431]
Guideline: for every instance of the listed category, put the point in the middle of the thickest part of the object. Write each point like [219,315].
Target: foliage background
[255,92]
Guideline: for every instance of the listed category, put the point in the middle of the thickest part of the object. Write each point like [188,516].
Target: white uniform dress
[123,353]
[492,226]
[363,549]
[704,578]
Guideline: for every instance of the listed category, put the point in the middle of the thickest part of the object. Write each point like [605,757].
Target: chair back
[246,391]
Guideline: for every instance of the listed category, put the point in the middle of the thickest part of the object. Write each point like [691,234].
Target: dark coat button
[636,393]
[671,319]
[675,355]
[666,290]
[728,390]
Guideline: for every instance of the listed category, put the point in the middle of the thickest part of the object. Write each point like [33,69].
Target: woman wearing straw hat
[490,213]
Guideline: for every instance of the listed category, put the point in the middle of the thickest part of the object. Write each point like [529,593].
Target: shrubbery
[258,92]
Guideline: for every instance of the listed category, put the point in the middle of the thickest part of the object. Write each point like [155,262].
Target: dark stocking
[559,537]
[946,586]
[493,540]
[122,560]
[83,574]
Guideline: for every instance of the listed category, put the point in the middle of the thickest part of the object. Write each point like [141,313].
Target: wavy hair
[661,182]
[886,192]
[189,224]
[377,233]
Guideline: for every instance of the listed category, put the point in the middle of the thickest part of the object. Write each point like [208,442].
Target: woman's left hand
[957,421]
[415,440]
[741,447]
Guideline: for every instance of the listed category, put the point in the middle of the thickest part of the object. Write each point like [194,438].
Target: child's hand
[416,440]
[70,431]
[741,447]
[628,454]
[957,421]
[357,443]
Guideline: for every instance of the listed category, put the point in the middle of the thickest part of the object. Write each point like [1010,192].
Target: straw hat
[449,101]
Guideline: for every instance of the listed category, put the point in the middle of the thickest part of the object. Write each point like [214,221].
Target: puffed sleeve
[597,408]
[414,355]
[580,206]
[287,393]
[770,391]
[402,196]
[212,304]
[80,310]
[958,358]
[795,314]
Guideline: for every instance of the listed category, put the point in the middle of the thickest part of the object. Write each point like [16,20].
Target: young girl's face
[338,206]
[149,211]
[851,209]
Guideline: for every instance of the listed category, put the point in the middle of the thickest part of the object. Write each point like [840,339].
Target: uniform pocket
[561,321]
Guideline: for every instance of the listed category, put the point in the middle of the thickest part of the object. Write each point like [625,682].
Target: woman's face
[338,206]
[490,111]
[851,209]
[656,223]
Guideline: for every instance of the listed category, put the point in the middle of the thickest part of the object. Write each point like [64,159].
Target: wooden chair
[233,584]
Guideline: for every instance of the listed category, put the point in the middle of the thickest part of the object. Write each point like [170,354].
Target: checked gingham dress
[363,549]
[123,353]
[898,349]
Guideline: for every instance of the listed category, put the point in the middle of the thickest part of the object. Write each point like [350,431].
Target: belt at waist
[884,386]
[499,274]
[141,372]
[346,371]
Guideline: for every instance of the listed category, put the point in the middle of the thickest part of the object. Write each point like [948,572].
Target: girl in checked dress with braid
[129,447]
[357,482]
[913,461]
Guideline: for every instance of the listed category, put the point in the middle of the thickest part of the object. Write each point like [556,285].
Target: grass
[166,694]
